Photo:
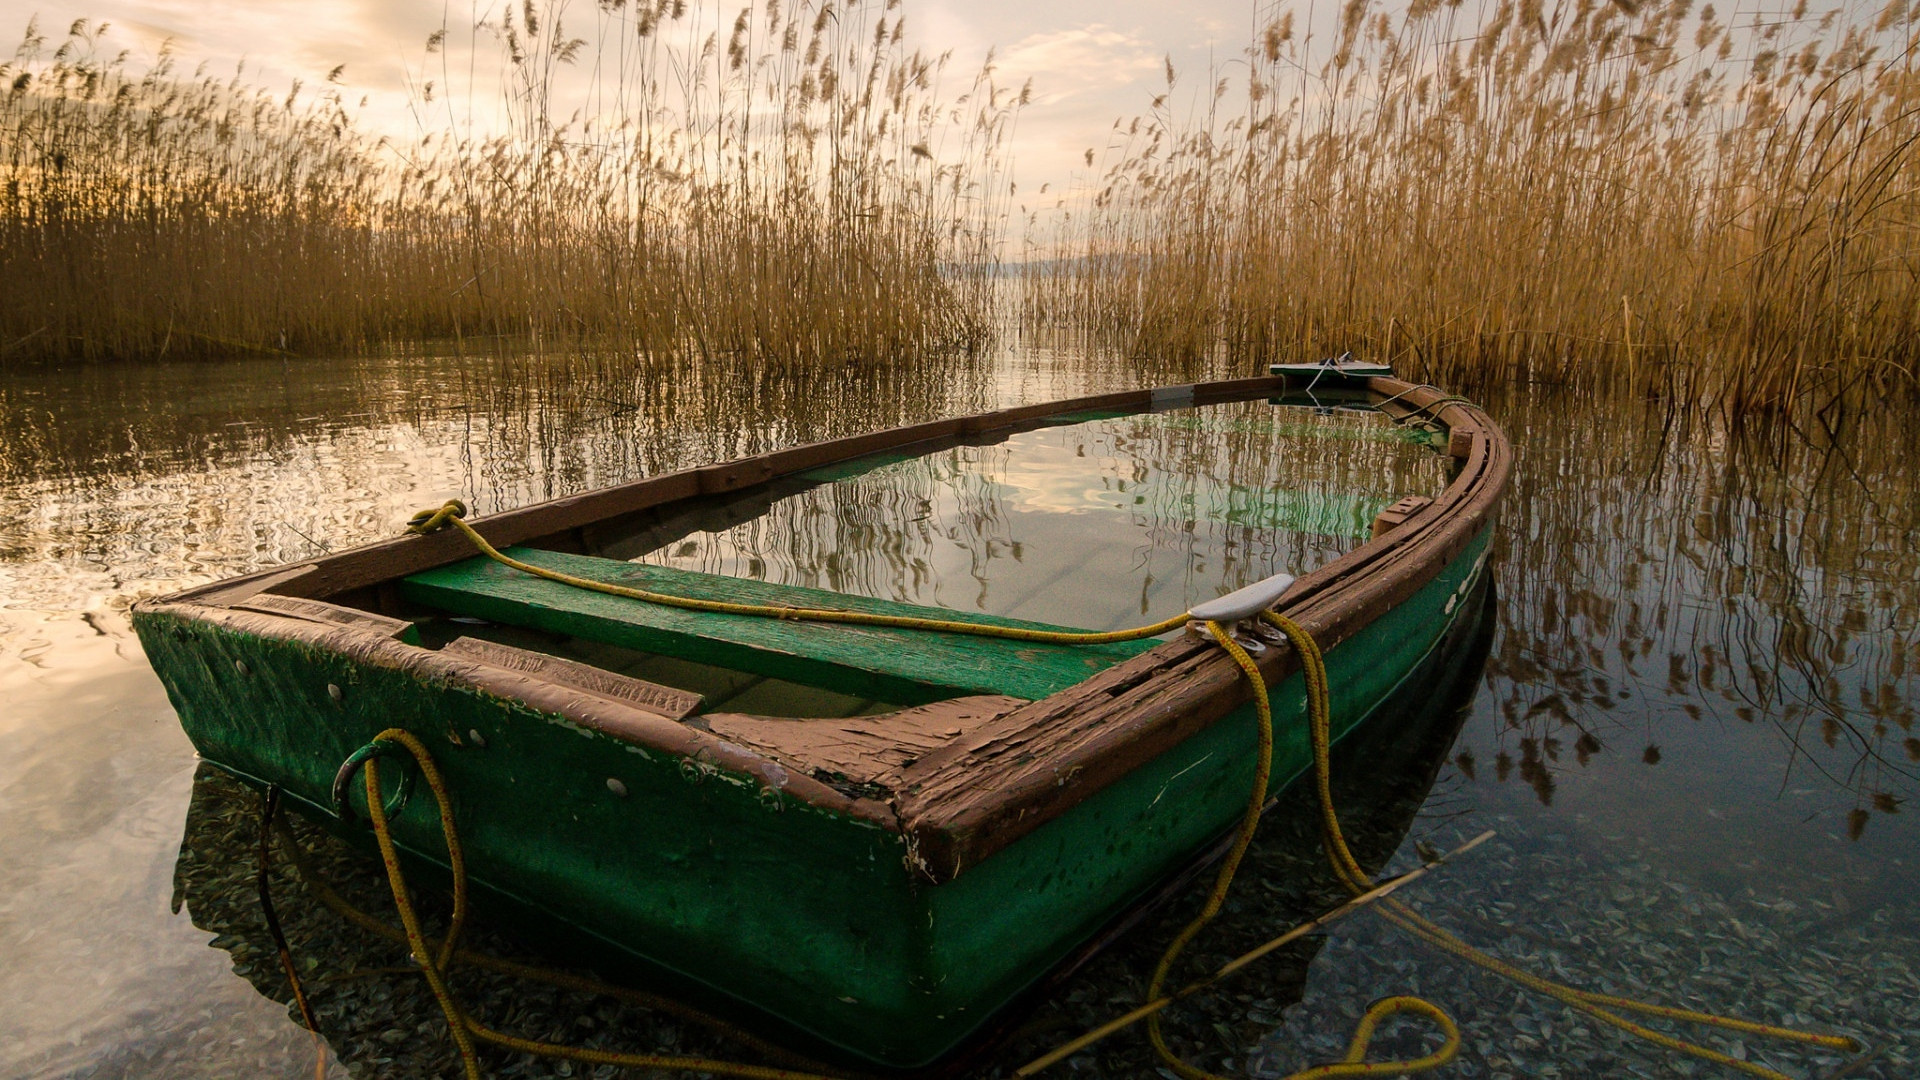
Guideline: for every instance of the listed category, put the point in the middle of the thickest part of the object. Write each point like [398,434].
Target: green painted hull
[801,920]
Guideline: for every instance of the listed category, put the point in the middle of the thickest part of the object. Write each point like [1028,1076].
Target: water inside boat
[1099,524]
[1095,521]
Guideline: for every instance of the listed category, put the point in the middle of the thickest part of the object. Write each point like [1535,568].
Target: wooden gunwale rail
[1046,756]
[1004,776]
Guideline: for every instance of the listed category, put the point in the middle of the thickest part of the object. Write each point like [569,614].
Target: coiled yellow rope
[1347,868]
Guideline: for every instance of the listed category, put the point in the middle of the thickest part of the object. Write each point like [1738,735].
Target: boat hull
[688,872]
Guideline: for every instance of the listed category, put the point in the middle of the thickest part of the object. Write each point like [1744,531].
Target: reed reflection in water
[1703,678]
[124,480]
[1096,524]
[1734,610]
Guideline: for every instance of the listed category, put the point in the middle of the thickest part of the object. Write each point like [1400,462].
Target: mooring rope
[1354,1063]
[453,513]
[464,1028]
[464,957]
[1346,867]
[263,886]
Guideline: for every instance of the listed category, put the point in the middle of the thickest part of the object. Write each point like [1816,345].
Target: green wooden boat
[874,881]
[1384,771]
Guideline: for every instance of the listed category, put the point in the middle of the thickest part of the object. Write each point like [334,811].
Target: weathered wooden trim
[323,612]
[1008,777]
[1164,398]
[1396,515]
[594,711]
[665,701]
[238,590]
[1228,389]
[1022,415]
[864,750]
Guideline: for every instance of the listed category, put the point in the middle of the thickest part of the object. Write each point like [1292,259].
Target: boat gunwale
[1049,755]
[609,716]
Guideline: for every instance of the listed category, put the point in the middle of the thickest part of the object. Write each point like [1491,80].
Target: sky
[1091,62]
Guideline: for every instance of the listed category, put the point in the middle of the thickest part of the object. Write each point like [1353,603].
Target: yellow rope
[1595,1005]
[340,906]
[466,1029]
[1347,868]
[451,514]
[1353,1065]
[1128,1019]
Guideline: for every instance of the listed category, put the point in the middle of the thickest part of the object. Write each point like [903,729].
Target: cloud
[1085,61]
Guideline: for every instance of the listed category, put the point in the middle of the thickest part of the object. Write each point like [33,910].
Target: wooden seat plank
[906,667]
[653,697]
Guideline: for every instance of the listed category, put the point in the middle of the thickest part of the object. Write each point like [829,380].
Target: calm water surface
[1163,510]
[1694,732]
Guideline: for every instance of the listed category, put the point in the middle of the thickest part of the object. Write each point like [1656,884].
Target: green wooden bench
[905,667]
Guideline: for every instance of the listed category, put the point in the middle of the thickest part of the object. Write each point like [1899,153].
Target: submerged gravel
[1597,918]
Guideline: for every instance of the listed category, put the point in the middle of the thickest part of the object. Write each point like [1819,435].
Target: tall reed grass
[1525,189]
[795,185]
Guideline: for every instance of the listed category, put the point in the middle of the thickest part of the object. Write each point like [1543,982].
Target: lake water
[1694,731]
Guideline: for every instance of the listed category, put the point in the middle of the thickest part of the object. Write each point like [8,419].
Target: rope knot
[433,520]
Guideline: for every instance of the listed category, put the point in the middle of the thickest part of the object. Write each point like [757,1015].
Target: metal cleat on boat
[1240,606]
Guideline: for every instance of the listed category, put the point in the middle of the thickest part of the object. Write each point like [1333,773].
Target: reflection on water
[1728,618]
[135,480]
[1094,524]
[1697,725]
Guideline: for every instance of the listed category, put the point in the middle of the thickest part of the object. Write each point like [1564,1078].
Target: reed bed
[1723,204]
[793,185]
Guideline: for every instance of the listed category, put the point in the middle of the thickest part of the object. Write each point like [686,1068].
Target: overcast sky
[1091,62]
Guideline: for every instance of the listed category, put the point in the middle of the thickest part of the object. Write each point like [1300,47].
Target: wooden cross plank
[905,667]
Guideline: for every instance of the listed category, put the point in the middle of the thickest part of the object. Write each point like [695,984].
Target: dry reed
[776,187]
[1527,190]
